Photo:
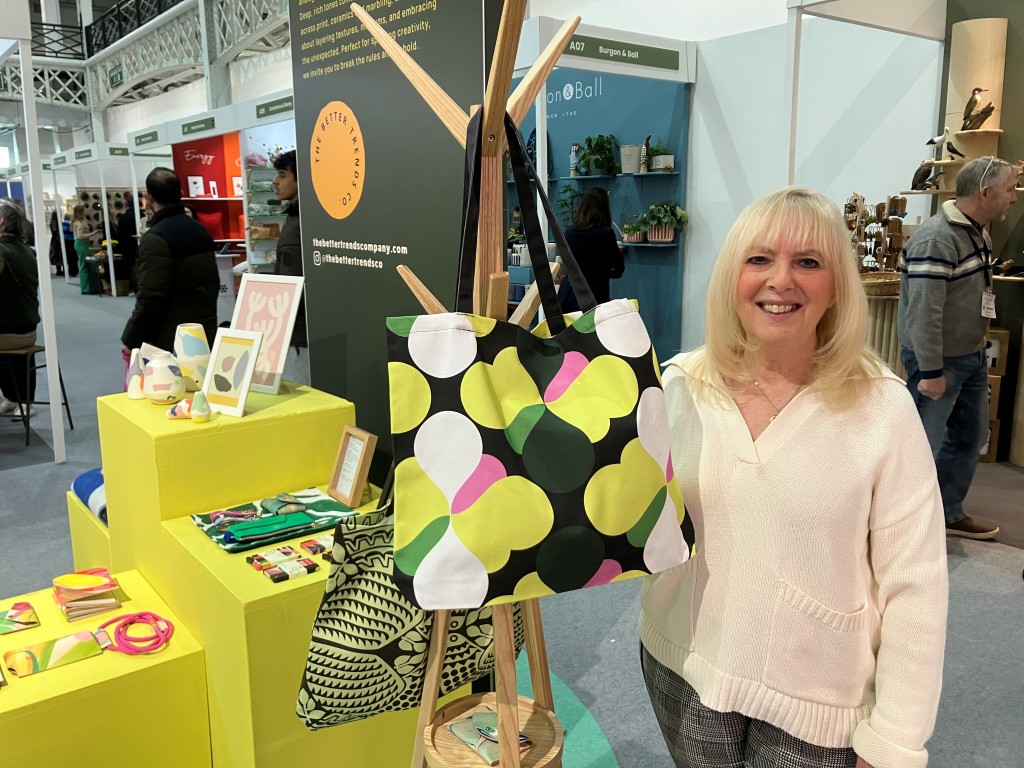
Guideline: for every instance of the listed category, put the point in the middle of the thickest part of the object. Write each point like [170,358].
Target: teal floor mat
[585,742]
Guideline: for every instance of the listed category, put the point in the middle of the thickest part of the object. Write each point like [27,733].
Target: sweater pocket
[818,654]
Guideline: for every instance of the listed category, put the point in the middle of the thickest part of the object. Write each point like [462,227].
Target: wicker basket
[881,283]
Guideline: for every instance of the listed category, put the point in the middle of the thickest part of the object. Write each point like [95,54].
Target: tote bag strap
[536,246]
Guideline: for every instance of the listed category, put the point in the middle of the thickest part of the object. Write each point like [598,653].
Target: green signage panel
[116,75]
[25,168]
[627,53]
[198,126]
[46,166]
[61,160]
[119,151]
[150,137]
[83,154]
[275,107]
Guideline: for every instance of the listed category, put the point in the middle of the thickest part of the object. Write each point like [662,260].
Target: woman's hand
[862,763]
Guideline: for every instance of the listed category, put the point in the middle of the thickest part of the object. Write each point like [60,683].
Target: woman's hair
[15,223]
[78,213]
[594,211]
[190,211]
[842,366]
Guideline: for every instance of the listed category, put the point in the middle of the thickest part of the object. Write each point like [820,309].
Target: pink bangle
[119,639]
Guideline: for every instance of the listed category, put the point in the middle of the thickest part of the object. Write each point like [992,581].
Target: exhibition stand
[254,632]
[105,166]
[218,155]
[627,86]
[110,709]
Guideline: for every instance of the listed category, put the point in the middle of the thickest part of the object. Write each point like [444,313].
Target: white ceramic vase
[163,383]
[192,351]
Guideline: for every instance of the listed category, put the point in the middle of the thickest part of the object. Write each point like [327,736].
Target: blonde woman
[82,230]
[809,629]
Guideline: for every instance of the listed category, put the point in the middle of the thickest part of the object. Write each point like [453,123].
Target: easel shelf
[445,750]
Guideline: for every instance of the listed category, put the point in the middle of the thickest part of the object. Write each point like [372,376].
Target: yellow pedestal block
[256,636]
[90,538]
[158,469]
[110,710]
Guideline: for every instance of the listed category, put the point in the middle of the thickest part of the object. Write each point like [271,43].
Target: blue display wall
[581,104]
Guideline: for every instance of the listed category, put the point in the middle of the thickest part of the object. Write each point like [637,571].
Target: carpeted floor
[591,635]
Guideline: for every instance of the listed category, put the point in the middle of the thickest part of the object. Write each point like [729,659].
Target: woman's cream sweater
[817,598]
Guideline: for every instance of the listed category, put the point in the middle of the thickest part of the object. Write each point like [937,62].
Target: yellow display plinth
[256,636]
[158,469]
[90,539]
[110,710]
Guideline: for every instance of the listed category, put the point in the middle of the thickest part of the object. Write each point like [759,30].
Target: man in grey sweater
[945,305]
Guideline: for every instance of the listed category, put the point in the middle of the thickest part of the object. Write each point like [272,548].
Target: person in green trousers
[81,229]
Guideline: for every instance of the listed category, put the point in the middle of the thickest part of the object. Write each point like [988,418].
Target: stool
[24,406]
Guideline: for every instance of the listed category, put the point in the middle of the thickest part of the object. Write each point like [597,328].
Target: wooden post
[490,298]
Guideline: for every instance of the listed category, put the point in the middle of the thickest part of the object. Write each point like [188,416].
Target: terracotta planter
[634,237]
[661,234]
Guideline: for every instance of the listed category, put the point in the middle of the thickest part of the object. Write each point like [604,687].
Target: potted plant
[635,229]
[567,203]
[661,158]
[598,155]
[663,221]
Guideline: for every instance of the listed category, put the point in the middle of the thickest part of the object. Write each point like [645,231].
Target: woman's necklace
[772,404]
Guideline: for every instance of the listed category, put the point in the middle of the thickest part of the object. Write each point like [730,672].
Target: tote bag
[368,649]
[528,463]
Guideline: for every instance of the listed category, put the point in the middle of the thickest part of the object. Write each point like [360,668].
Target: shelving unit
[261,259]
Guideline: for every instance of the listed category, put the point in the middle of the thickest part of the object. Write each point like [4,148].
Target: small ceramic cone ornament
[192,352]
[180,410]
[200,410]
[162,382]
[135,376]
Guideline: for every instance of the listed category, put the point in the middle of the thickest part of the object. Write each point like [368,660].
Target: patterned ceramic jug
[163,383]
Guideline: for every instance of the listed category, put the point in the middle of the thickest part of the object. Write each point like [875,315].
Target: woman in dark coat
[19,306]
[595,247]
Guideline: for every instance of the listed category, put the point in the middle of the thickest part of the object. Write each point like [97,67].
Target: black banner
[380,178]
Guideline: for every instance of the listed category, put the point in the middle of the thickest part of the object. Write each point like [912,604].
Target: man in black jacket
[176,270]
[289,242]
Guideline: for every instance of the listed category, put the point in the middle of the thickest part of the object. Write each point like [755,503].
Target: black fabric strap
[536,245]
[470,216]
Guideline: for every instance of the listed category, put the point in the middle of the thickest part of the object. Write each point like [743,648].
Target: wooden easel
[535,717]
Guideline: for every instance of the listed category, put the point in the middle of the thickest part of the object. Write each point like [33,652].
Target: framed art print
[268,304]
[351,467]
[232,362]
[195,186]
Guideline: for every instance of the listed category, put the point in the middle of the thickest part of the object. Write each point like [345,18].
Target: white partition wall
[737,150]
[868,102]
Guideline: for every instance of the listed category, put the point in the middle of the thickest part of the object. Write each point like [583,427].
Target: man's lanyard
[986,255]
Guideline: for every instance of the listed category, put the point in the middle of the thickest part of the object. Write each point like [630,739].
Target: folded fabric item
[89,489]
[324,511]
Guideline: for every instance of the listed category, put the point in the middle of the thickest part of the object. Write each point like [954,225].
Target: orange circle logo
[338,160]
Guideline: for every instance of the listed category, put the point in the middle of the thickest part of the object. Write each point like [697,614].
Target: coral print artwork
[268,304]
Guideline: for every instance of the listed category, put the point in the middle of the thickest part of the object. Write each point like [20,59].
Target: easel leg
[537,654]
[507,694]
[431,682]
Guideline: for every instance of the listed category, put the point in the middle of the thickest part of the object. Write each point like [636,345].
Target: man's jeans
[956,423]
